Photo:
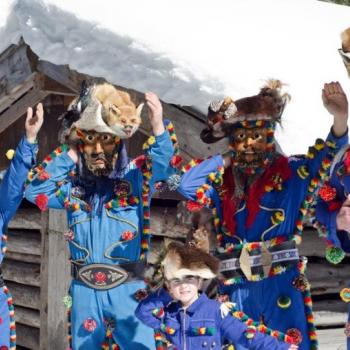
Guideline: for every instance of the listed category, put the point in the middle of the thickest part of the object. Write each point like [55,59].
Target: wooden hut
[36,267]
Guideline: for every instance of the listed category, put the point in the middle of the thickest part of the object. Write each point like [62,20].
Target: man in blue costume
[260,199]
[333,215]
[107,202]
[11,194]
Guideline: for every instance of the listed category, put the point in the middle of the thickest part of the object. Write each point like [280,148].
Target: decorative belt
[104,276]
[2,282]
[258,262]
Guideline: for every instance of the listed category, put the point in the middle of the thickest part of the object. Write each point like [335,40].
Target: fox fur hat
[183,260]
[345,49]
[224,115]
[102,108]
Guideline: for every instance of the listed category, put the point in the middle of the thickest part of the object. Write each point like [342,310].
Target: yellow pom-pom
[10,154]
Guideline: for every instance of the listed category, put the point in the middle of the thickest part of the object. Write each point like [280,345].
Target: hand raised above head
[336,103]
[155,112]
[34,123]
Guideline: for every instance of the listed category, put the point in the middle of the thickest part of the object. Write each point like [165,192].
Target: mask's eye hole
[240,136]
[257,136]
[89,138]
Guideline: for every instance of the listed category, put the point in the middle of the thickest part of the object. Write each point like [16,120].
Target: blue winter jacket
[181,326]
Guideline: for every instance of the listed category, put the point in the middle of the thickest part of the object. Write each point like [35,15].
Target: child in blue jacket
[185,319]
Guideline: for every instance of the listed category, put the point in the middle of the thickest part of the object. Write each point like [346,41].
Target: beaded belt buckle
[102,277]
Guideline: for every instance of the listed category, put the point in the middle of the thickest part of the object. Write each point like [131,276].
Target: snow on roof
[191,52]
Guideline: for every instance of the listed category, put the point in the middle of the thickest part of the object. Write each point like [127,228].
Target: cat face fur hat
[101,108]
[345,49]
[183,260]
[224,115]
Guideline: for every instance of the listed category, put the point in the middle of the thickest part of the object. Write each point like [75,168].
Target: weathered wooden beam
[23,295]
[31,98]
[331,339]
[21,272]
[336,305]
[27,218]
[24,242]
[28,336]
[28,317]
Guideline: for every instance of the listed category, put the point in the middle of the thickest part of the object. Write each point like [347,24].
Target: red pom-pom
[347,162]
[140,160]
[127,235]
[296,335]
[334,205]
[90,324]
[43,175]
[327,193]
[193,206]
[176,161]
[41,201]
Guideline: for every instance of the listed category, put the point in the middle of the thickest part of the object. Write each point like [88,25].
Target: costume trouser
[259,301]
[7,336]
[115,305]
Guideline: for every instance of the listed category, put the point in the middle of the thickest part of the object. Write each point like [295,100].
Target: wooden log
[20,272]
[29,258]
[332,305]
[25,296]
[28,336]
[330,319]
[331,339]
[326,278]
[27,316]
[24,242]
[27,218]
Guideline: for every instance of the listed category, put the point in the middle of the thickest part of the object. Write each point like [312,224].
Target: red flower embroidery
[347,162]
[327,192]
[41,201]
[127,235]
[100,277]
[90,324]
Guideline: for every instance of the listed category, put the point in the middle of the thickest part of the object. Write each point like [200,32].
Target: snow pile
[190,53]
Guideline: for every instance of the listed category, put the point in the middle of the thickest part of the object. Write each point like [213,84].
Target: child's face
[184,290]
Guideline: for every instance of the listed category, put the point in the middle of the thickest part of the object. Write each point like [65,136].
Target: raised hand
[336,103]
[343,217]
[155,113]
[34,123]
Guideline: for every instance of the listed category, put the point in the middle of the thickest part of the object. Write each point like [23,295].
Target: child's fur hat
[225,114]
[183,260]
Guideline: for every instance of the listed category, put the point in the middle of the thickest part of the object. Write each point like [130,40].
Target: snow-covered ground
[190,52]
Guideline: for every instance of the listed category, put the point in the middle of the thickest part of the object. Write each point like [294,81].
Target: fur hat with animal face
[101,108]
[225,115]
[184,260]
[345,50]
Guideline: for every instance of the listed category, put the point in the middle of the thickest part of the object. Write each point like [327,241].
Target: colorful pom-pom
[334,254]
[90,324]
[345,295]
[68,301]
[10,154]
[300,283]
[327,193]
[193,206]
[41,201]
[296,335]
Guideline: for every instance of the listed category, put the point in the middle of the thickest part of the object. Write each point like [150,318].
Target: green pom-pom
[67,301]
[334,254]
